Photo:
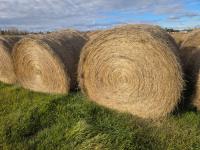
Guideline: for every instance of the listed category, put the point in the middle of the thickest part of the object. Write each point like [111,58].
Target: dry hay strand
[179,37]
[190,55]
[134,68]
[7,74]
[48,63]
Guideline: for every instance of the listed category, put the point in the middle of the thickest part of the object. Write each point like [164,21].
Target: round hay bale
[179,37]
[190,55]
[48,63]
[92,34]
[133,68]
[7,74]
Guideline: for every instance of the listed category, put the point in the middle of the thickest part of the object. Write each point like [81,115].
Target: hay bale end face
[48,63]
[7,74]
[190,55]
[134,68]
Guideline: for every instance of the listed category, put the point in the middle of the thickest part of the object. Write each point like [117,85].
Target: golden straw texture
[190,55]
[133,68]
[7,74]
[48,63]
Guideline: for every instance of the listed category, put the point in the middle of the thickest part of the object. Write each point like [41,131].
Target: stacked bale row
[7,74]
[133,68]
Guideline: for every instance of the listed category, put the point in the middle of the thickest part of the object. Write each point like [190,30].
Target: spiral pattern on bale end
[48,63]
[133,68]
[7,74]
[190,56]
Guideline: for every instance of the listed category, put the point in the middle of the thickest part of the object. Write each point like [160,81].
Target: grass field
[31,120]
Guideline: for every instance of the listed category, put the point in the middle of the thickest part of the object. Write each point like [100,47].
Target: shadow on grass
[72,121]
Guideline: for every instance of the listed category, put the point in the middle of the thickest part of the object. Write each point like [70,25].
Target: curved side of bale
[48,63]
[134,68]
[190,55]
[7,74]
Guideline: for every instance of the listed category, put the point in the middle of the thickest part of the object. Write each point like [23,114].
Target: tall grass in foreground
[38,121]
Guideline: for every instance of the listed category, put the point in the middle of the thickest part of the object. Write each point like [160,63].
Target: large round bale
[48,63]
[133,68]
[190,55]
[7,74]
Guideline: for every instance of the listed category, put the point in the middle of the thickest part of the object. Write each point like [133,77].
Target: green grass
[31,120]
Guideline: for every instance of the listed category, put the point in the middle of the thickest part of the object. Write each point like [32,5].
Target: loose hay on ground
[48,63]
[133,68]
[7,74]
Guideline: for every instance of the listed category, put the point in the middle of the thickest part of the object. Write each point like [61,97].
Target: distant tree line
[12,31]
[174,30]
[15,31]
[171,30]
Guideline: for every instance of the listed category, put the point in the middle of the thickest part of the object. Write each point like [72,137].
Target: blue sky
[44,15]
